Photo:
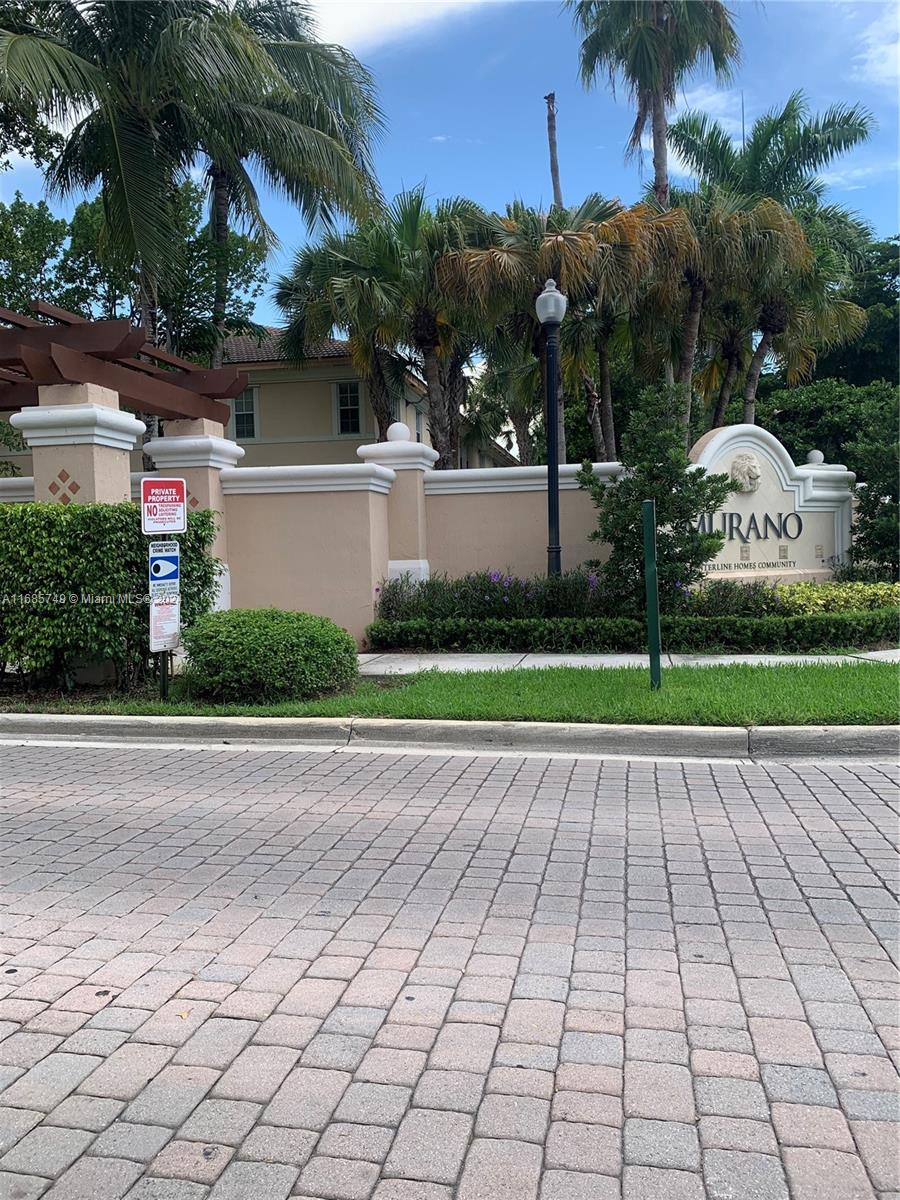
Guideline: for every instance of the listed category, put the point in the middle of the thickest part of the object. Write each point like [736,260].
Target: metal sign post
[654,638]
[164,510]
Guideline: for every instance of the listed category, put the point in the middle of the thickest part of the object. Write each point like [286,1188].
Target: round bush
[252,655]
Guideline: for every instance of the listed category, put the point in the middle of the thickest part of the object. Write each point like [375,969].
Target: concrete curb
[679,741]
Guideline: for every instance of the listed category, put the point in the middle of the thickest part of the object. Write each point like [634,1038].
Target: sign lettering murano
[737,527]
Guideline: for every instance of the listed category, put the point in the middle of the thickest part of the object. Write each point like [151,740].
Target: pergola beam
[106,339]
[35,353]
[148,393]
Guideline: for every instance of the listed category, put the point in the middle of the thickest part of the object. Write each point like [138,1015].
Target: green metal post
[654,639]
[164,675]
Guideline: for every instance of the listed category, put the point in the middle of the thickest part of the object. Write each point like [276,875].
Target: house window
[349,413]
[245,416]
[418,425]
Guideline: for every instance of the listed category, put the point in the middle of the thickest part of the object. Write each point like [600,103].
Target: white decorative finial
[815,457]
[398,432]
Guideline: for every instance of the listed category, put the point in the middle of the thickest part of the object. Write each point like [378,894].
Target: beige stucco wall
[320,552]
[506,531]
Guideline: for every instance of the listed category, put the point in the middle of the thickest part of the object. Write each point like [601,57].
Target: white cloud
[878,59]
[852,179]
[439,137]
[365,24]
[722,105]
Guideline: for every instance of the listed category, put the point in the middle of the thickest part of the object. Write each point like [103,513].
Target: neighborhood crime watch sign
[163,506]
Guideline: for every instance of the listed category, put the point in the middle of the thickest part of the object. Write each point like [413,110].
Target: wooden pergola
[67,348]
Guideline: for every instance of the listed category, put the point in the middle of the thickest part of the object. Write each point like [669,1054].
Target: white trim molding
[204,451]
[400,452]
[511,479]
[817,487]
[78,425]
[17,489]
[416,568]
[337,477]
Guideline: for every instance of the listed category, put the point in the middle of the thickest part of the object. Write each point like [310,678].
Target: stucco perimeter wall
[308,538]
[497,518]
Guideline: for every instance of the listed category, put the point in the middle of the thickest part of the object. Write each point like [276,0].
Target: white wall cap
[204,451]
[399,452]
[78,425]
[337,477]
[18,489]
[511,479]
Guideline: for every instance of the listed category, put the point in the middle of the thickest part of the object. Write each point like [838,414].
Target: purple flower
[593,581]
[495,576]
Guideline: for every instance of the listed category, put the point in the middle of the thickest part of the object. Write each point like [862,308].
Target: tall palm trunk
[380,398]
[607,421]
[688,352]
[753,374]
[724,397]
[219,230]
[456,390]
[660,150]
[592,403]
[554,155]
[439,418]
[521,423]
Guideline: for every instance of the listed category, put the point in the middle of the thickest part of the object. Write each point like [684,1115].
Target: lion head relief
[745,472]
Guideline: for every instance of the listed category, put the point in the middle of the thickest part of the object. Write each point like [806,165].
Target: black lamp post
[551,308]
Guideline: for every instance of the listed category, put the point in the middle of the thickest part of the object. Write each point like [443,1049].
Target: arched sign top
[783,521]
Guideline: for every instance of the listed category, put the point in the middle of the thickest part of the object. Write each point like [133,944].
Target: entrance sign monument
[783,521]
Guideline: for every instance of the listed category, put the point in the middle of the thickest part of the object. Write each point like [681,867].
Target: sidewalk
[380,665]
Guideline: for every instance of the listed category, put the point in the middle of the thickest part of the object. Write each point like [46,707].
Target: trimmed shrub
[724,597]
[681,633]
[495,594]
[579,593]
[836,597]
[73,587]
[267,654]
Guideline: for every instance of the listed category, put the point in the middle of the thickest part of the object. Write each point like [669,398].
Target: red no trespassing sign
[163,506]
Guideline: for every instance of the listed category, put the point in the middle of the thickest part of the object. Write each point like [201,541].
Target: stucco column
[80,442]
[407,538]
[197,451]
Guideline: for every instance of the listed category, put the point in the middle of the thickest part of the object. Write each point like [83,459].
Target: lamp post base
[554,560]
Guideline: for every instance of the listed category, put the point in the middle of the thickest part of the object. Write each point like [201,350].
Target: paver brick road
[245,975]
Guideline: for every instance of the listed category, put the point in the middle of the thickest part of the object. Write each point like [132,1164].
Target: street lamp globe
[551,304]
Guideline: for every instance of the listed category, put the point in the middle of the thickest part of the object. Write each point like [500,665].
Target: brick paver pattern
[250,975]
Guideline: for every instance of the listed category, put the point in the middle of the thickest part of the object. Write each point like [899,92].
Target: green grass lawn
[857,694]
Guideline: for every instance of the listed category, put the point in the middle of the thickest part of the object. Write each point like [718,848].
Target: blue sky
[462,85]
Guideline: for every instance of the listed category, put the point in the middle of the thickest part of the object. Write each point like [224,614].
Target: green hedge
[267,654]
[73,585]
[681,634]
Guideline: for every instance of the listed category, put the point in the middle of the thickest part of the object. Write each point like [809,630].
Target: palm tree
[382,284]
[149,88]
[508,258]
[653,45]
[732,238]
[320,94]
[781,156]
